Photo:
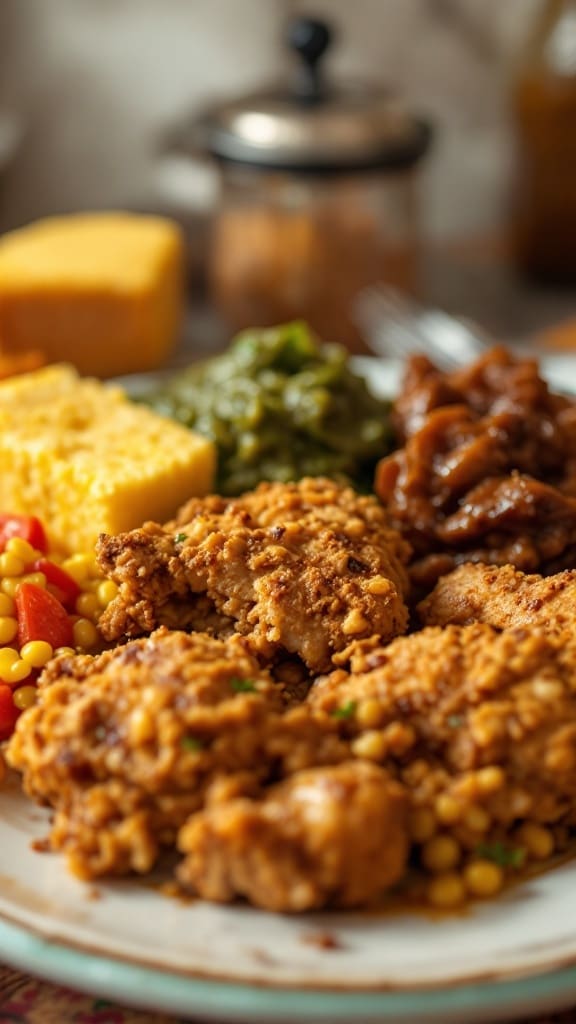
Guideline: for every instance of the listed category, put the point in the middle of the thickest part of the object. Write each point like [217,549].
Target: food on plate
[47,604]
[126,744]
[263,717]
[481,727]
[505,598]
[85,459]
[336,836]
[300,569]
[103,291]
[486,468]
[280,406]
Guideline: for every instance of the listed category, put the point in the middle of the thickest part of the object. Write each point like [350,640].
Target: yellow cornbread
[86,460]
[103,291]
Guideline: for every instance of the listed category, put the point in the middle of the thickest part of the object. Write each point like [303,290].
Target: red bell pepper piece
[41,617]
[27,527]
[8,712]
[61,583]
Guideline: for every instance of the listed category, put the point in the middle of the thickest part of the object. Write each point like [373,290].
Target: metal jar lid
[314,126]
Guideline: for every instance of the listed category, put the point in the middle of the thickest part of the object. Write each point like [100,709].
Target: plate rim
[155,988]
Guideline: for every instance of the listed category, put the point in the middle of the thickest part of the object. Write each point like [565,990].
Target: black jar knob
[309,38]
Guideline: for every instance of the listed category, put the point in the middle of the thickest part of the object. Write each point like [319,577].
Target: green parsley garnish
[180,537]
[505,856]
[455,721]
[242,685]
[191,743]
[345,710]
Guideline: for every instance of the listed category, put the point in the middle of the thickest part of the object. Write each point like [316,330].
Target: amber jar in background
[284,248]
[544,106]
[317,196]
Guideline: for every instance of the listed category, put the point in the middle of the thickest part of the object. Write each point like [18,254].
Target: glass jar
[317,197]
[544,104]
[283,248]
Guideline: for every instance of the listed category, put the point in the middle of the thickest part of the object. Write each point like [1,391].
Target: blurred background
[96,96]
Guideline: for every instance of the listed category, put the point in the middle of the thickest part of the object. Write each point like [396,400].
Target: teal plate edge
[154,989]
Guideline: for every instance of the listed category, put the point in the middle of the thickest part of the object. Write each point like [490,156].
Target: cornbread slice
[87,460]
[103,291]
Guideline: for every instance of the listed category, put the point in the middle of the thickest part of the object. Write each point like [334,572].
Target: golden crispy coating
[466,698]
[124,745]
[504,598]
[297,568]
[324,837]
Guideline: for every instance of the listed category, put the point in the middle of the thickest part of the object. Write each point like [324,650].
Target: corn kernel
[371,745]
[22,549]
[538,841]
[10,565]
[90,586]
[88,605]
[85,633]
[141,725]
[368,712]
[18,671]
[7,606]
[441,853]
[25,696]
[448,809]
[36,653]
[37,578]
[446,890]
[476,819]
[483,877]
[490,779]
[7,658]
[8,629]
[9,585]
[76,567]
[354,623]
[64,650]
[106,592]
[94,569]
[422,824]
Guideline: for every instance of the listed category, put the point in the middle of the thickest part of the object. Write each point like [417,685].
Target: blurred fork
[396,326]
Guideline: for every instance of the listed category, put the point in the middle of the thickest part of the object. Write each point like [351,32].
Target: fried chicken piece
[460,699]
[297,568]
[125,744]
[504,598]
[333,837]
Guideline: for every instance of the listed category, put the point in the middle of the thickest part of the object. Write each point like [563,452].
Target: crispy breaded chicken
[296,568]
[125,744]
[334,837]
[503,597]
[461,699]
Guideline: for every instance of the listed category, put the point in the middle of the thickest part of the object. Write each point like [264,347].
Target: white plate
[124,940]
[383,374]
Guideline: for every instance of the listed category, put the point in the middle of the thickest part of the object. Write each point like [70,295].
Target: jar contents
[545,114]
[283,249]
